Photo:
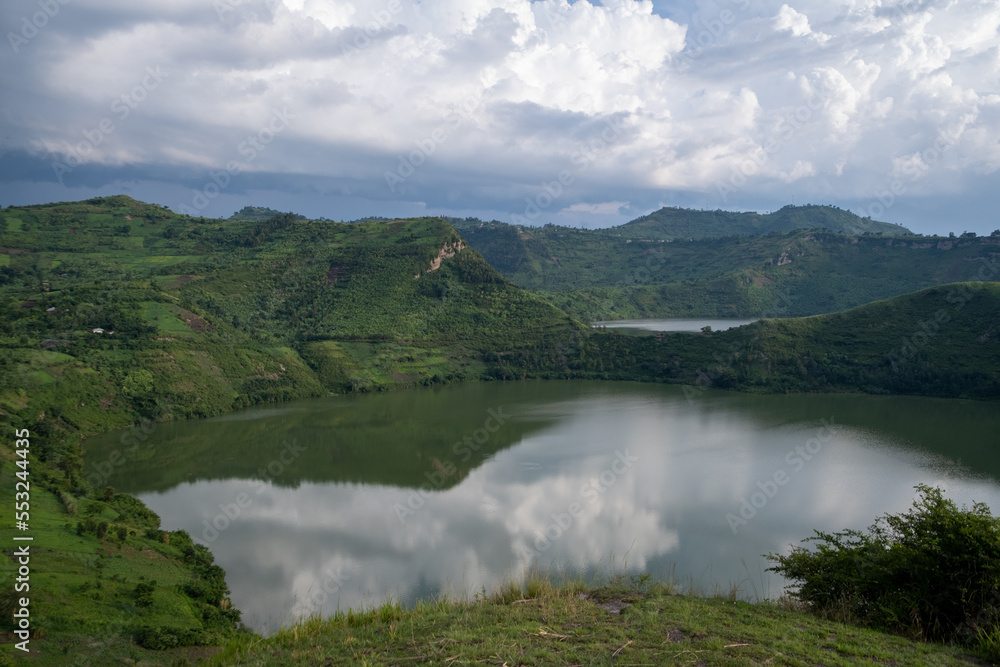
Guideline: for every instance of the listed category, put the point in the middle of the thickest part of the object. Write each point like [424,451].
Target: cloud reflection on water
[696,462]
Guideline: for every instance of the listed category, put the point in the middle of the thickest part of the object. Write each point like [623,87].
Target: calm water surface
[674,324]
[349,501]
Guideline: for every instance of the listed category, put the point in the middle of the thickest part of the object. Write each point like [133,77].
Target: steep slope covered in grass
[119,313]
[238,307]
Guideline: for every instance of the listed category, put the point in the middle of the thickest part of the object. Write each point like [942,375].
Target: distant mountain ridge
[628,272]
[683,223]
[260,213]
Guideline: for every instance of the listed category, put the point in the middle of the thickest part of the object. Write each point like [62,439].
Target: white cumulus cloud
[474,105]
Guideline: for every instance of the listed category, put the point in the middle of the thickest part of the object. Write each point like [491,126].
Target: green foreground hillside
[626,623]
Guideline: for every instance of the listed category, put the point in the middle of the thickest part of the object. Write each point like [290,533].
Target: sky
[585,113]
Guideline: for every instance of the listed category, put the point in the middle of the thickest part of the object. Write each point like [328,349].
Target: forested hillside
[596,275]
[943,341]
[683,223]
[118,313]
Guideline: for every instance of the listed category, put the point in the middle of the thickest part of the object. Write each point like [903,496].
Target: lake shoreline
[550,439]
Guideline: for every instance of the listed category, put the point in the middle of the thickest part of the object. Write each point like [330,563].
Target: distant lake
[561,477]
[674,324]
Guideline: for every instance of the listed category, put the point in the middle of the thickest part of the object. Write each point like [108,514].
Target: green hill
[118,313]
[681,223]
[363,305]
[596,275]
[943,341]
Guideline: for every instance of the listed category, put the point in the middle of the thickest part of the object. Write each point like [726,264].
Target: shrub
[9,603]
[932,572]
[69,502]
[142,594]
[134,511]
[160,638]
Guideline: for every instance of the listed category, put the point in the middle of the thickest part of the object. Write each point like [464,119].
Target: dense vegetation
[942,341]
[120,313]
[933,572]
[259,213]
[629,621]
[106,581]
[606,274]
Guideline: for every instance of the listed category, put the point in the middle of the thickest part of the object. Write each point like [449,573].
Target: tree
[138,382]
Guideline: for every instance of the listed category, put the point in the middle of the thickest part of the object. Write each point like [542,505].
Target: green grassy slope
[201,317]
[365,305]
[88,559]
[572,625]
[595,274]
[942,341]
